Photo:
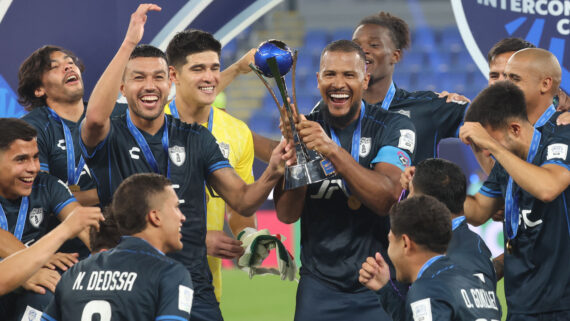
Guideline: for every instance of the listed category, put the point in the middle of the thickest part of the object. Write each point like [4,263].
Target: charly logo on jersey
[36,216]
[61,144]
[225,149]
[365,145]
[177,155]
[544,23]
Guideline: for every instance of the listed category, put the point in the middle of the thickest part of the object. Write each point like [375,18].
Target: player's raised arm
[96,124]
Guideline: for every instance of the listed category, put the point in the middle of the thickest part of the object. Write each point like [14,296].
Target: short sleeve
[43,145]
[212,156]
[556,151]
[492,186]
[448,117]
[398,142]
[176,294]
[60,195]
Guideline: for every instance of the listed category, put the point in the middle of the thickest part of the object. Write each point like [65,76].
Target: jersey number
[100,307]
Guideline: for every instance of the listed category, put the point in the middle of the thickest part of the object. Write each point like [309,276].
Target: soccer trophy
[273,59]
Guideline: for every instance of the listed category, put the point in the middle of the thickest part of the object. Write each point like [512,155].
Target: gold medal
[74,188]
[509,247]
[353,203]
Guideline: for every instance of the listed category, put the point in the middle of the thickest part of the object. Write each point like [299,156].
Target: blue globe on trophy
[277,49]
[273,59]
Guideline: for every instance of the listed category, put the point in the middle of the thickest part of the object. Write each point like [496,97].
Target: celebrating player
[369,147]
[534,192]
[441,290]
[144,139]
[27,198]
[194,58]
[135,280]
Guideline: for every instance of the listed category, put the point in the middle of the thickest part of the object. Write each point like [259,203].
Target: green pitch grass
[263,298]
[267,298]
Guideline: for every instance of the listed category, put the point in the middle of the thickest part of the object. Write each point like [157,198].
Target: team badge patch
[365,145]
[185,295]
[32,314]
[177,155]
[559,151]
[421,310]
[407,140]
[225,149]
[36,217]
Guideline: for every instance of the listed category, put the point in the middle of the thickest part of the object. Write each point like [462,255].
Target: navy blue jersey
[443,291]
[336,239]
[51,144]
[433,118]
[192,155]
[469,251]
[49,196]
[133,281]
[537,278]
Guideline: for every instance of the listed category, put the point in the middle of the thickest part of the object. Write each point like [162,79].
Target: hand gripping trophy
[273,59]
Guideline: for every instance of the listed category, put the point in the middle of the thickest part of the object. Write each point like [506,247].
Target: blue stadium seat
[451,39]
[423,38]
[452,82]
[340,34]
[402,79]
[412,61]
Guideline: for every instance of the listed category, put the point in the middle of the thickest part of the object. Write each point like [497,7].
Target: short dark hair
[108,235]
[147,51]
[132,201]
[31,71]
[497,104]
[425,220]
[189,42]
[508,45]
[344,46]
[12,129]
[398,28]
[443,180]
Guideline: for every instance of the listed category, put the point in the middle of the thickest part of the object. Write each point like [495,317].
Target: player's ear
[515,129]
[407,243]
[173,74]
[546,85]
[39,92]
[154,218]
[396,56]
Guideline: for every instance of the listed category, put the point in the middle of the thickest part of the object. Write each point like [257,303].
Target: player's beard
[341,121]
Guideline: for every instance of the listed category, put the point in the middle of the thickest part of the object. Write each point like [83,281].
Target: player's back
[469,251]
[133,281]
[445,291]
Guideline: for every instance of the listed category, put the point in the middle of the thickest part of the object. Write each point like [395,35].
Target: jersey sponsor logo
[328,187]
[407,140]
[225,149]
[479,298]
[559,151]
[404,159]
[133,152]
[36,216]
[106,281]
[527,221]
[407,113]
[61,144]
[185,295]
[32,314]
[177,155]
[421,310]
[365,145]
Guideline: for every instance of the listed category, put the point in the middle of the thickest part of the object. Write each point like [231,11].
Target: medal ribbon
[389,97]
[22,214]
[174,112]
[137,135]
[354,151]
[512,199]
[545,117]
[73,173]
[427,264]
[456,222]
